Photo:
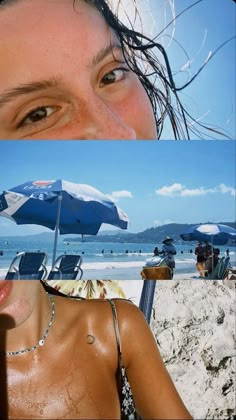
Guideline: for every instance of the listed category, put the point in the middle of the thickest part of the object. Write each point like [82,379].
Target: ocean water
[104,260]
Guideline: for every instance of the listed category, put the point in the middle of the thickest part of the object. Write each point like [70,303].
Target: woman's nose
[99,120]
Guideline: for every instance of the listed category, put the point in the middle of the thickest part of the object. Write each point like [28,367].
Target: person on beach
[71,69]
[156,251]
[199,252]
[211,261]
[168,251]
[64,358]
[208,250]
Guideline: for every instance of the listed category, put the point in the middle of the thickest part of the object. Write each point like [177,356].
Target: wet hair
[139,50]
[140,54]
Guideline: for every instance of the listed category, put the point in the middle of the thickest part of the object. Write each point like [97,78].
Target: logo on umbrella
[39,185]
[42,183]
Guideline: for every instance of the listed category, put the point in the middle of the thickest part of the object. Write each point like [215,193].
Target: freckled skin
[71,378]
[47,39]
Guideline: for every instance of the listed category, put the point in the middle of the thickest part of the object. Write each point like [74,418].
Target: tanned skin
[74,375]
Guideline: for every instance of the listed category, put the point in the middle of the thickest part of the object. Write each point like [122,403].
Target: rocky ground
[194,325]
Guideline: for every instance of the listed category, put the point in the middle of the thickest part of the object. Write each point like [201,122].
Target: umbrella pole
[57,228]
[146,300]
[212,253]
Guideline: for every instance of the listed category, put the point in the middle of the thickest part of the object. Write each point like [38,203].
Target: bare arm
[154,392]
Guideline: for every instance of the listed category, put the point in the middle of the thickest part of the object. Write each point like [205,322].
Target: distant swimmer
[103,251]
[126,251]
[111,251]
[1,252]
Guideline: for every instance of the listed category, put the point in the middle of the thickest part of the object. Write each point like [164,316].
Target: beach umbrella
[217,234]
[62,206]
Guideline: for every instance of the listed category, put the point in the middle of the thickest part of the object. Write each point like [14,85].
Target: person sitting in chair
[168,251]
[212,260]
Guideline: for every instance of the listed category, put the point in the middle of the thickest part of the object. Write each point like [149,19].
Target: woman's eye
[37,115]
[114,76]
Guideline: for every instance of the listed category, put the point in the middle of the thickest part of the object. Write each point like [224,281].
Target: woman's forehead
[26,12]
[47,35]
[49,19]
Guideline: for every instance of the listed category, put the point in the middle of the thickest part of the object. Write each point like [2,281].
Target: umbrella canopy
[217,234]
[62,206]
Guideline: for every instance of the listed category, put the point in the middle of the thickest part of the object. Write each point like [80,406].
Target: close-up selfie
[117,70]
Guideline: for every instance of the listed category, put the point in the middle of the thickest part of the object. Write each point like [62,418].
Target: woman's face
[17,301]
[63,76]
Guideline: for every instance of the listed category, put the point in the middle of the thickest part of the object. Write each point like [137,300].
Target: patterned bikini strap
[116,325]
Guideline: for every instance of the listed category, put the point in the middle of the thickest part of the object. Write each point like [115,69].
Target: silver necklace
[41,341]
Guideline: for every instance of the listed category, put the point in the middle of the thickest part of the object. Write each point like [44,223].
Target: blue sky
[153,182]
[199,32]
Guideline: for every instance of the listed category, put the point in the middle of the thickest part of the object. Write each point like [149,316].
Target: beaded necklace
[41,341]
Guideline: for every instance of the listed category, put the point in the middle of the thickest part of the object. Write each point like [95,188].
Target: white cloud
[122,194]
[224,190]
[180,190]
[117,195]
[186,192]
[170,190]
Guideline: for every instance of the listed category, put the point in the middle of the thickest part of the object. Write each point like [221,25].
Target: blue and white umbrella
[217,234]
[61,206]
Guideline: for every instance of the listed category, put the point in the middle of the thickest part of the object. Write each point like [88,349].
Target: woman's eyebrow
[27,88]
[104,52]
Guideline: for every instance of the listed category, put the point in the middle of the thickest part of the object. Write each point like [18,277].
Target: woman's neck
[33,323]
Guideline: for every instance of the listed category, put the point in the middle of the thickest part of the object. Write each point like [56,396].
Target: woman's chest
[67,390]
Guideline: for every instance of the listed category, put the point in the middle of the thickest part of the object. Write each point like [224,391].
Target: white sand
[194,324]
[115,270]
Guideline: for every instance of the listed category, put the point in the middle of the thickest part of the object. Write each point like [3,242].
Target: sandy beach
[194,325]
[117,271]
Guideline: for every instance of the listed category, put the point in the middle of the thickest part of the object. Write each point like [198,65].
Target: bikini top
[128,410]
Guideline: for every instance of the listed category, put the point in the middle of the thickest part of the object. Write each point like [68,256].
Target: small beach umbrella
[217,234]
[62,206]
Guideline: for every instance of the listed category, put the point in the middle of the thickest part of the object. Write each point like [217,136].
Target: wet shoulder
[96,311]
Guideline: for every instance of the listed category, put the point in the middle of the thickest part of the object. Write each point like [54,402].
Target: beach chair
[28,266]
[156,273]
[221,269]
[74,290]
[66,267]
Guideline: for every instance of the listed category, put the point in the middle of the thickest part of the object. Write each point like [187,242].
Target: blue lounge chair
[66,267]
[28,266]
[221,269]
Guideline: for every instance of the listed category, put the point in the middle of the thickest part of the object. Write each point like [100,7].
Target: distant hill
[44,236]
[151,235]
